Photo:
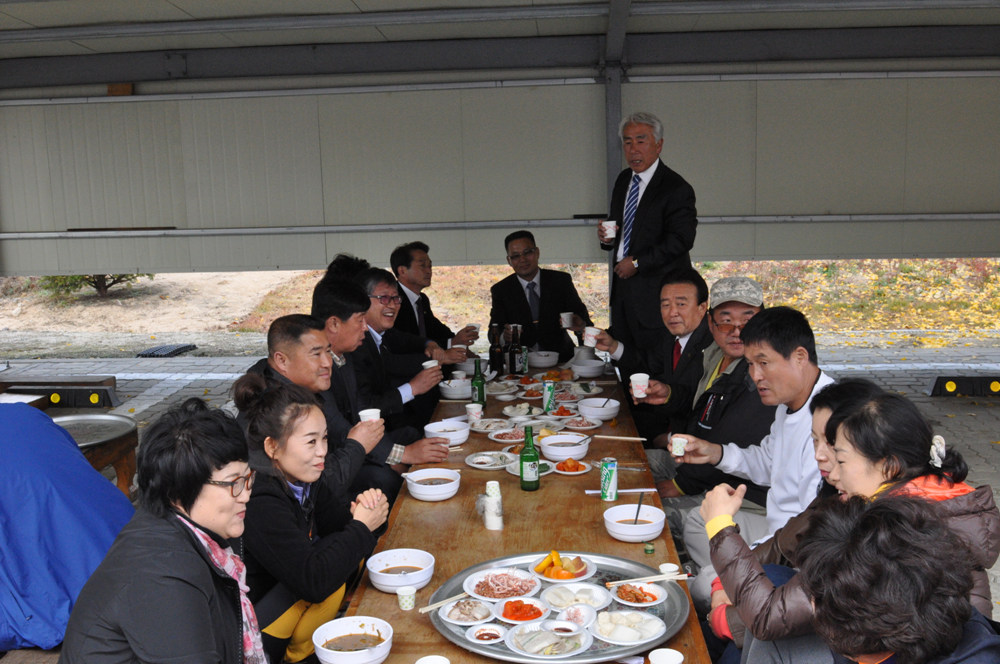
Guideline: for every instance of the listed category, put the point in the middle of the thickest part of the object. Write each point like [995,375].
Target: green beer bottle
[479,385]
[529,463]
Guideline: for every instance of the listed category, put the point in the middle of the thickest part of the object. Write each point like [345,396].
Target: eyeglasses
[728,327]
[387,299]
[527,253]
[237,486]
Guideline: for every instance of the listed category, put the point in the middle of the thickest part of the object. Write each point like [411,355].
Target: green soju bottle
[479,385]
[529,463]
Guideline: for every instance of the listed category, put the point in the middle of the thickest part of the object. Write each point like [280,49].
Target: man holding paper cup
[413,269]
[656,220]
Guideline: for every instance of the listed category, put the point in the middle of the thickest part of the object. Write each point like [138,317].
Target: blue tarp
[58,517]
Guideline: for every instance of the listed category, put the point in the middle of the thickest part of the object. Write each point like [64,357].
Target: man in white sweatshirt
[780,350]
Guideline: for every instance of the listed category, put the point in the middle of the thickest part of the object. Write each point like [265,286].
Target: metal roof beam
[505,54]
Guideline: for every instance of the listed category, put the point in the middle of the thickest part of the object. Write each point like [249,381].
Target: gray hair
[645,118]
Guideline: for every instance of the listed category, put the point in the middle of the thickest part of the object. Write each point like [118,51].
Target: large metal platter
[89,429]
[673,612]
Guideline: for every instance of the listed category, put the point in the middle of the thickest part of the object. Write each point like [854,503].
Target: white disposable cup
[610,229]
[669,568]
[677,445]
[407,597]
[566,319]
[590,336]
[640,384]
[475,411]
[493,489]
[433,659]
[665,656]
[477,326]
[457,375]
[430,364]
[370,414]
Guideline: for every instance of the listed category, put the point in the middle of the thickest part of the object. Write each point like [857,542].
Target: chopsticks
[599,435]
[597,492]
[644,579]
[436,605]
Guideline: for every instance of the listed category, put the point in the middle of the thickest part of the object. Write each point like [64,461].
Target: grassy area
[960,296]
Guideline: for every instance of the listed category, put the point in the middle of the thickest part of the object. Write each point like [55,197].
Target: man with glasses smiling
[533,298]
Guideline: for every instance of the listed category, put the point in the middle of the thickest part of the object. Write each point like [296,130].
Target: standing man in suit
[534,299]
[412,267]
[656,220]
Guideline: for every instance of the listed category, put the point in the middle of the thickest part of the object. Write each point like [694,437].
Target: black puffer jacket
[312,550]
[771,613]
[156,597]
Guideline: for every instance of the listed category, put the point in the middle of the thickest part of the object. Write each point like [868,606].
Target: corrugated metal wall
[751,148]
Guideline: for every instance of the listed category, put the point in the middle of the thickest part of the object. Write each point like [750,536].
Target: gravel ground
[23,345]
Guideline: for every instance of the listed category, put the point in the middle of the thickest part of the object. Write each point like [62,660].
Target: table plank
[557,516]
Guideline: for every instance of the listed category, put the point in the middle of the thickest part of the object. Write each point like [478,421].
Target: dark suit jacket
[510,305]
[406,321]
[662,235]
[683,381]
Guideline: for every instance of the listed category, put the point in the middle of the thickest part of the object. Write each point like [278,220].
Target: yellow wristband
[717,523]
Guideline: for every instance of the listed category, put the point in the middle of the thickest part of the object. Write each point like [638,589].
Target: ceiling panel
[203,9]
[88,12]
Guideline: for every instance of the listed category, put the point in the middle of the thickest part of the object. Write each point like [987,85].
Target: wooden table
[557,516]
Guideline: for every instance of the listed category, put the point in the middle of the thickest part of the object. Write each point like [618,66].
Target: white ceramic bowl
[593,407]
[562,446]
[542,359]
[588,368]
[629,532]
[469,366]
[582,614]
[353,625]
[456,432]
[433,492]
[388,583]
[456,389]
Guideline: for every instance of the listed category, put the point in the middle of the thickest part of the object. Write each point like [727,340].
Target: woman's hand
[371,508]
[723,499]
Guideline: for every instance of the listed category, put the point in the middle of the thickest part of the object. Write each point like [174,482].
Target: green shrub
[102,283]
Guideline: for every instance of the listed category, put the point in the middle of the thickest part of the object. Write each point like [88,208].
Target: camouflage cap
[736,289]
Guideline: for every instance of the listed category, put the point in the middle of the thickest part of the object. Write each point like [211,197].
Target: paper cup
[370,414]
[665,656]
[407,596]
[677,445]
[493,489]
[610,229]
[433,659]
[477,326]
[566,319]
[640,383]
[590,336]
[430,364]
[457,375]
[474,411]
[668,568]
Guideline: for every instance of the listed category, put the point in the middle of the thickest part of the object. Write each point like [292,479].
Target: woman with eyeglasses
[304,535]
[171,587]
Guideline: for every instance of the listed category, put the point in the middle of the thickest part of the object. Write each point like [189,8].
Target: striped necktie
[631,203]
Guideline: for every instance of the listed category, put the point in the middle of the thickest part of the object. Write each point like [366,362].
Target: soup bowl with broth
[618,522]
[396,568]
[433,484]
[372,635]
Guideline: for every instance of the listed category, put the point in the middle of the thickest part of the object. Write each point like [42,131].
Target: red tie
[677,352]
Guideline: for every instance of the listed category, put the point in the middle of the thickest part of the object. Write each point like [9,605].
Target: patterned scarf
[230,564]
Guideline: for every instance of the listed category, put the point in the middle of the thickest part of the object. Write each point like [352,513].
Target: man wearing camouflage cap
[727,407]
